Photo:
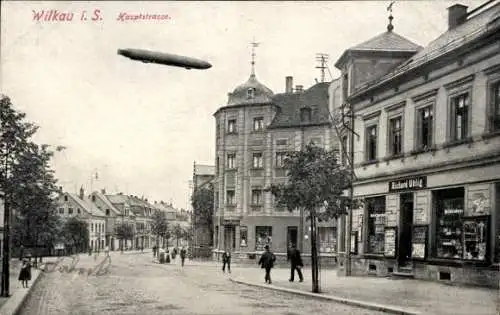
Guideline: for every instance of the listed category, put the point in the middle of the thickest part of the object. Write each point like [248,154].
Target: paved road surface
[135,285]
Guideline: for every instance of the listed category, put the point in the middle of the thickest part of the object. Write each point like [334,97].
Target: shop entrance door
[292,235]
[406,227]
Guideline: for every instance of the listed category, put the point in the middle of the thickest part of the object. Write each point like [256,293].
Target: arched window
[251,93]
[305,114]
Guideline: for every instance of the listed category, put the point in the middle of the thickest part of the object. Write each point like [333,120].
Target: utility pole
[323,60]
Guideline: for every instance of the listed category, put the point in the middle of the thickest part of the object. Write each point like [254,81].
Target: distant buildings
[427,158]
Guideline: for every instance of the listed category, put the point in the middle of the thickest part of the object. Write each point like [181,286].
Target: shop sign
[410,183]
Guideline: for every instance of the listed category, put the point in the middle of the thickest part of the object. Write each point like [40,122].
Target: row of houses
[104,212]
[425,150]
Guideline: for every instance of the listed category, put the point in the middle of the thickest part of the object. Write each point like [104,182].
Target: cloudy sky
[141,126]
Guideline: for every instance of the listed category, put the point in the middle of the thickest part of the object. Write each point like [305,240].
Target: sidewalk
[18,294]
[415,296]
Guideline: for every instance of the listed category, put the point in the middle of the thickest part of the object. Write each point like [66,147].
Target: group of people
[161,252]
[267,261]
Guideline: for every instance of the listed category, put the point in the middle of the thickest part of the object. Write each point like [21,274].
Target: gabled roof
[87,205]
[387,42]
[289,104]
[106,201]
[485,22]
[117,199]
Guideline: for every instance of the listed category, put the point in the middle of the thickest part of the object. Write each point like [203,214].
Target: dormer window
[305,114]
[251,93]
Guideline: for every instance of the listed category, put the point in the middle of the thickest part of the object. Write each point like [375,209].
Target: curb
[16,308]
[28,294]
[357,303]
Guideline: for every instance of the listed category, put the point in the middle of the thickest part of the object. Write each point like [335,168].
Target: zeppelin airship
[148,56]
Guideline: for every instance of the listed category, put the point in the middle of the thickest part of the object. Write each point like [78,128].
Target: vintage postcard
[250,157]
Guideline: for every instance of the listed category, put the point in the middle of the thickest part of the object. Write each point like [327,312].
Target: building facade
[112,214]
[427,152]
[254,130]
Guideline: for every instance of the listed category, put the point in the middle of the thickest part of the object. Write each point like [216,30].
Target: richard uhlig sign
[410,183]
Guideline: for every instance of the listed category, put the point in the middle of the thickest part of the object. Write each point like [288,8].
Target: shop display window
[327,239]
[376,224]
[449,227]
[263,237]
[476,231]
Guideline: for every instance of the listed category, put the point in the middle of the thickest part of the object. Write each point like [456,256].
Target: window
[92,227]
[230,197]
[217,166]
[256,197]
[305,114]
[251,93]
[281,142]
[65,198]
[257,160]
[243,236]
[395,136]
[70,210]
[78,211]
[61,210]
[216,201]
[495,100]
[231,126]
[345,85]
[344,150]
[424,128]
[316,141]
[280,159]
[460,117]
[376,224]
[263,237]
[327,239]
[371,143]
[258,124]
[231,160]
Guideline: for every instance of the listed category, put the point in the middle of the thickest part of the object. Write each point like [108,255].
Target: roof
[106,201]
[472,29]
[116,199]
[204,169]
[87,205]
[289,104]
[386,42]
[239,96]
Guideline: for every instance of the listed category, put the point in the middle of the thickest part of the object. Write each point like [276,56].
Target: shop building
[427,153]
[254,130]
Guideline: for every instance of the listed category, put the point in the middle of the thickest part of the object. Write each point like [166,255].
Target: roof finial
[254,44]
[390,27]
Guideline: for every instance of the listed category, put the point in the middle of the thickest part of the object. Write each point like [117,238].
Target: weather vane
[254,45]
[390,27]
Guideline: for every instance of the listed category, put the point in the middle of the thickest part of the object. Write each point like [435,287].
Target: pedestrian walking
[267,262]
[295,263]
[183,255]
[106,250]
[226,260]
[25,273]
[154,251]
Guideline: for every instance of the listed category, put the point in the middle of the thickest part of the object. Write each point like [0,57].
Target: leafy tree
[27,186]
[315,183]
[123,233]
[202,202]
[178,232]
[76,234]
[159,226]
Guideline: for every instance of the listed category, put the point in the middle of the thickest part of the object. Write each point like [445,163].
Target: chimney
[299,88]
[103,191]
[457,14]
[82,193]
[289,84]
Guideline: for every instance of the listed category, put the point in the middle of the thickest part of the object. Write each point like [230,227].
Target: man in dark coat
[226,260]
[295,263]
[267,262]
[183,255]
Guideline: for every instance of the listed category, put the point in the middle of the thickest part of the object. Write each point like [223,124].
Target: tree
[178,232]
[123,233]
[27,185]
[315,183]
[76,234]
[202,202]
[159,226]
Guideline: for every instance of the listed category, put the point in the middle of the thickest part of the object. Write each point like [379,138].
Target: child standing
[25,273]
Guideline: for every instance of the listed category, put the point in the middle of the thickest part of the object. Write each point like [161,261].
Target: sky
[141,127]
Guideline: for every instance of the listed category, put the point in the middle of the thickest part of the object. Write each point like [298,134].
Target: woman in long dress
[25,273]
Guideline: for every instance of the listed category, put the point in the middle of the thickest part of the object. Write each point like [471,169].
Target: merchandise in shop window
[475,238]
[449,230]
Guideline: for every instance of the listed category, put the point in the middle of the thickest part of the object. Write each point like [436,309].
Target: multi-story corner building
[254,130]
[202,235]
[427,158]
[112,214]
[82,207]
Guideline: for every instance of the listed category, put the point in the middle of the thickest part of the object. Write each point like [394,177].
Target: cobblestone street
[136,285]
